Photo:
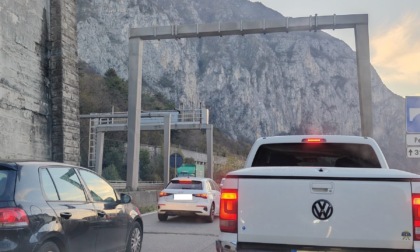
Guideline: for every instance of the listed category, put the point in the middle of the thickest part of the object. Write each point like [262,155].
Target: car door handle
[65,215]
[101,214]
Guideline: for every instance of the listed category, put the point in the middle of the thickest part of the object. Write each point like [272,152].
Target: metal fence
[142,186]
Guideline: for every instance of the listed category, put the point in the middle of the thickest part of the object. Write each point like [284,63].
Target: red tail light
[416,216]
[201,195]
[163,194]
[229,210]
[13,217]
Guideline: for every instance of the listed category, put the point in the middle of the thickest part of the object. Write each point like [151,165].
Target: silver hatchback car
[190,196]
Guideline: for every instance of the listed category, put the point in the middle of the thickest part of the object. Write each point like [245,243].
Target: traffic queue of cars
[55,207]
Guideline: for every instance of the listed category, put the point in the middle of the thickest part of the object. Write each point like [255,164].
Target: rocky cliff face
[254,85]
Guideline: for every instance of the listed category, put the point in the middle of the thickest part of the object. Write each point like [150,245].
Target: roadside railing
[142,186]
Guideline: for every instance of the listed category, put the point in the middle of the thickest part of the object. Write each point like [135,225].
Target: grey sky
[394,29]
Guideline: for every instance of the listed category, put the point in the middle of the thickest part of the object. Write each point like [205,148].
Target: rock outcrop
[254,85]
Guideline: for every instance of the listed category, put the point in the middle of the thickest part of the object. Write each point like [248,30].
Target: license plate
[182,196]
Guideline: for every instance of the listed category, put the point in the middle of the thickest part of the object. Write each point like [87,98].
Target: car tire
[49,247]
[135,238]
[162,217]
[210,218]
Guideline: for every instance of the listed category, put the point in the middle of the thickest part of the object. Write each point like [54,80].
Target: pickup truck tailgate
[331,212]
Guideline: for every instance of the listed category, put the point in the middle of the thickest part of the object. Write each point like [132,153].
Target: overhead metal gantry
[312,23]
[192,119]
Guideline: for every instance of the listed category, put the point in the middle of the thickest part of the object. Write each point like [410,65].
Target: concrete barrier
[144,198]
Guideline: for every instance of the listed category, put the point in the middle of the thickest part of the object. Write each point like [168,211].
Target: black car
[47,206]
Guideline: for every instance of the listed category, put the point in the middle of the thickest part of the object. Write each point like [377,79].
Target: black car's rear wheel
[162,217]
[135,239]
[48,247]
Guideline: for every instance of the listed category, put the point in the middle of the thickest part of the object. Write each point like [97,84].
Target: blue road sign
[175,160]
[412,111]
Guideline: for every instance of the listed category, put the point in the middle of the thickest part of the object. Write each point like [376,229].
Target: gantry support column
[361,32]
[134,111]
[166,148]
[209,168]
[99,151]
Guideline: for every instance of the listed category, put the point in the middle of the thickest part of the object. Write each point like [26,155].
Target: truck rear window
[7,184]
[321,154]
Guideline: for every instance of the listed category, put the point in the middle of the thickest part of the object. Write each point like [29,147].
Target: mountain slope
[253,85]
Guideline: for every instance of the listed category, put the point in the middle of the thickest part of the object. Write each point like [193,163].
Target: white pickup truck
[325,193]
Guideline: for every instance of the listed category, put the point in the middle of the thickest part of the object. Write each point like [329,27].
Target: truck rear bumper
[226,246]
[292,248]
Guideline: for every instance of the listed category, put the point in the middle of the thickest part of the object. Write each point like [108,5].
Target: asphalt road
[179,234]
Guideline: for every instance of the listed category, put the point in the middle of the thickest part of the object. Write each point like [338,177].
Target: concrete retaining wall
[24,91]
[39,93]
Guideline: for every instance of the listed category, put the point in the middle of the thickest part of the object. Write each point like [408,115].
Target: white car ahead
[189,196]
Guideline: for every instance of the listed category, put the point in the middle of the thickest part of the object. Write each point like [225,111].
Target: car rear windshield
[185,184]
[7,184]
[319,154]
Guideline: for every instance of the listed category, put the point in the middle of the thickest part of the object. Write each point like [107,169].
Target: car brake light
[314,140]
[13,217]
[163,194]
[185,181]
[416,216]
[229,210]
[201,195]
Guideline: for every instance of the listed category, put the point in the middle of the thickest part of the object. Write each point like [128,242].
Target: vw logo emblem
[322,209]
